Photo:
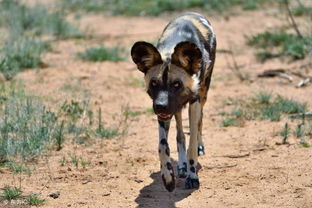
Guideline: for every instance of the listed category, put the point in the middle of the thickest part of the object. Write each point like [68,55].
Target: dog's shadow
[155,195]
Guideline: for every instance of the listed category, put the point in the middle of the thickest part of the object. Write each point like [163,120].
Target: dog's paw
[182,171]
[191,183]
[170,186]
[201,150]
[168,178]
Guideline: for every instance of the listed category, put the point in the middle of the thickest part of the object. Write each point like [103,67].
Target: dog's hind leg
[167,173]
[182,163]
[194,117]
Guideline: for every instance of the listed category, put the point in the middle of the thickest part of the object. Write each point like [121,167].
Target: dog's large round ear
[188,56]
[145,55]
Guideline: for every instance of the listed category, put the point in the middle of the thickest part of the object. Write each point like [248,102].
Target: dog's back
[191,27]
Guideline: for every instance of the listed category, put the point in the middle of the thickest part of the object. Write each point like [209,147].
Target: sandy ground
[124,172]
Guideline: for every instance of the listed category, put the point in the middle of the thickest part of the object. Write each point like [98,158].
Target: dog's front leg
[182,163]
[194,118]
[167,173]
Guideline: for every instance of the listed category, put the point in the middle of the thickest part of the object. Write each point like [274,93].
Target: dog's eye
[153,83]
[176,84]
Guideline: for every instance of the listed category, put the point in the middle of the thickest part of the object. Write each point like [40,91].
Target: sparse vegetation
[101,53]
[10,193]
[16,168]
[301,10]
[76,161]
[20,54]
[27,127]
[34,200]
[263,98]
[285,133]
[156,7]
[228,122]
[263,106]
[102,131]
[23,45]
[277,44]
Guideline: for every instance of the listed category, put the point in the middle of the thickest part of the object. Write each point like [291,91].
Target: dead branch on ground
[221,166]
[276,73]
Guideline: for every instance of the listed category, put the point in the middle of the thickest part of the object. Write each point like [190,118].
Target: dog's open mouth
[164,116]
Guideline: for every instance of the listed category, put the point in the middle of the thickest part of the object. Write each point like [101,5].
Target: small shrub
[26,128]
[21,54]
[264,106]
[263,97]
[270,113]
[289,106]
[301,10]
[238,113]
[101,53]
[34,200]
[11,193]
[285,45]
[304,144]
[228,122]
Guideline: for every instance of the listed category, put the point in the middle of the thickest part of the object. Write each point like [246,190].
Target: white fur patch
[195,85]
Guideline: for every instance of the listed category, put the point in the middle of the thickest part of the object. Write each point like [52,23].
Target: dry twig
[301,115]
[294,25]
[221,166]
[276,73]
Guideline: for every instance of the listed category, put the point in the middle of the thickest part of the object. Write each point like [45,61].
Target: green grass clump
[11,193]
[26,128]
[21,54]
[101,53]
[273,110]
[22,46]
[284,44]
[37,20]
[34,200]
[264,106]
[301,10]
[156,7]
[228,122]
[263,97]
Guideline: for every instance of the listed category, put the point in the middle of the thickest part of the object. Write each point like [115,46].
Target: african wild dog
[178,71]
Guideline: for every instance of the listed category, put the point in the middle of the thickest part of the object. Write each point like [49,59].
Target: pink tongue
[164,115]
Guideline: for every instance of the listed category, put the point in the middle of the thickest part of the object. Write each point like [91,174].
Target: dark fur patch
[191,162]
[163,142]
[168,151]
[192,169]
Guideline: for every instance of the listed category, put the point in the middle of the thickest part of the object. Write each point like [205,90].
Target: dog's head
[170,83]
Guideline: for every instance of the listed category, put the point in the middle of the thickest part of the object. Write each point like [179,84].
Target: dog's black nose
[161,102]
[161,107]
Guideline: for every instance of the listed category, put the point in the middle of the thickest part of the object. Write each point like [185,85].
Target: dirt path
[124,172]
